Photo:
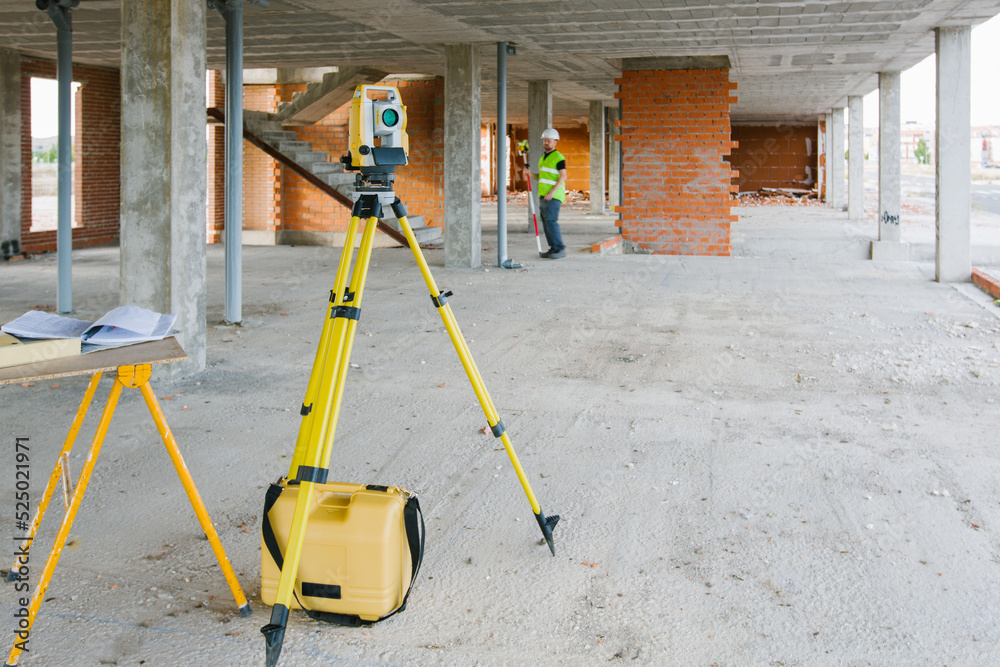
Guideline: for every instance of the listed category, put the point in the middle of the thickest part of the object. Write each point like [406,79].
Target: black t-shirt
[559,165]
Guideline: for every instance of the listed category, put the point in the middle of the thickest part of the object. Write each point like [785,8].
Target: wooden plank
[154,352]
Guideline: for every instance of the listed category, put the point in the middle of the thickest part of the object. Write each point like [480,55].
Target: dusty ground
[785,457]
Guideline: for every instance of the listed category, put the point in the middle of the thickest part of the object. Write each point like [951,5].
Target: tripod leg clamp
[310,474]
[441,298]
[347,312]
[398,209]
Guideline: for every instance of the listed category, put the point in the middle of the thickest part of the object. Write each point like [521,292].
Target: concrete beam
[320,100]
[163,185]
[677,62]
[855,158]
[889,198]
[837,159]
[596,127]
[953,208]
[462,176]
[10,147]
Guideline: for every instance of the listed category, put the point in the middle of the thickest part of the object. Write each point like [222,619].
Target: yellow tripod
[321,406]
[127,376]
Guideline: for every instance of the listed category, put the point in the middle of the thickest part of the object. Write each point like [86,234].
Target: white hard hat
[550,134]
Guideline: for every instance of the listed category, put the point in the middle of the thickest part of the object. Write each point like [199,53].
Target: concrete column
[462,177]
[953,159]
[10,147]
[596,127]
[163,151]
[837,159]
[855,158]
[614,161]
[539,118]
[888,157]
[828,159]
[820,161]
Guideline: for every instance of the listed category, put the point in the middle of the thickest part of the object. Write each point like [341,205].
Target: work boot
[554,254]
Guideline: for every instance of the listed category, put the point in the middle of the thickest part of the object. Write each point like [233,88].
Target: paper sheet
[128,324]
[125,325]
[36,324]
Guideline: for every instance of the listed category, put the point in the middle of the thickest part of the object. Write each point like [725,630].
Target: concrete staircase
[269,130]
[323,98]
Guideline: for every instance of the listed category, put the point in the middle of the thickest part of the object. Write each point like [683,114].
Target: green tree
[921,153]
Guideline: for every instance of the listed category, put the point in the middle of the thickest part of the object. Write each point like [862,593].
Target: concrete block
[890,251]
[258,237]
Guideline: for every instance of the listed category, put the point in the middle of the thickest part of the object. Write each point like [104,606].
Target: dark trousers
[550,221]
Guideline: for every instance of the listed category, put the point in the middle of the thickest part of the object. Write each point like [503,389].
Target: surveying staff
[552,192]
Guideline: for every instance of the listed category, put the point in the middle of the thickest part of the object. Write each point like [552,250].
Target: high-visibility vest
[548,176]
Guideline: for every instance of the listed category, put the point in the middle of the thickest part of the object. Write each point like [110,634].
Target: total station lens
[390,117]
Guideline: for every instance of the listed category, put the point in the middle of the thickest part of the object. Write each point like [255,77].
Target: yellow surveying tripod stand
[321,407]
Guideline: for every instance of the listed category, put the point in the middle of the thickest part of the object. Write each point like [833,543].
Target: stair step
[427,234]
[422,232]
[275,136]
[414,220]
[293,146]
[335,179]
[327,168]
[308,157]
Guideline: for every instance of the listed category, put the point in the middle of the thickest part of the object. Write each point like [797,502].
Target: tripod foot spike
[245,610]
[547,524]
[274,634]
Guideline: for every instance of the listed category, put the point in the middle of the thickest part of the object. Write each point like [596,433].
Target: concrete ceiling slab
[792,60]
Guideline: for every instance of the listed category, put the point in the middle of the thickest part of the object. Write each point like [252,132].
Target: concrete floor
[783,457]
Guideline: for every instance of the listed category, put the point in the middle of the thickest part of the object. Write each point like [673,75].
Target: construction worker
[552,192]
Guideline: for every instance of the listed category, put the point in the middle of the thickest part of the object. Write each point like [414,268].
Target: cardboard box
[15,351]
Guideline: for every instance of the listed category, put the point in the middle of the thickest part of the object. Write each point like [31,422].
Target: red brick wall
[420,184]
[774,156]
[261,173]
[675,133]
[216,206]
[821,158]
[303,206]
[96,154]
[300,206]
[574,143]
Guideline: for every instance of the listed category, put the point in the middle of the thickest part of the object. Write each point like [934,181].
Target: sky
[45,107]
[917,86]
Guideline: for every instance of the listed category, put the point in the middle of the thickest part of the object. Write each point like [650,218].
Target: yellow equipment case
[361,552]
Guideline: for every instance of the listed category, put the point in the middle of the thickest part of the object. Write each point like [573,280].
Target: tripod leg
[345,318]
[546,524]
[58,469]
[315,452]
[60,541]
[192,493]
[322,350]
